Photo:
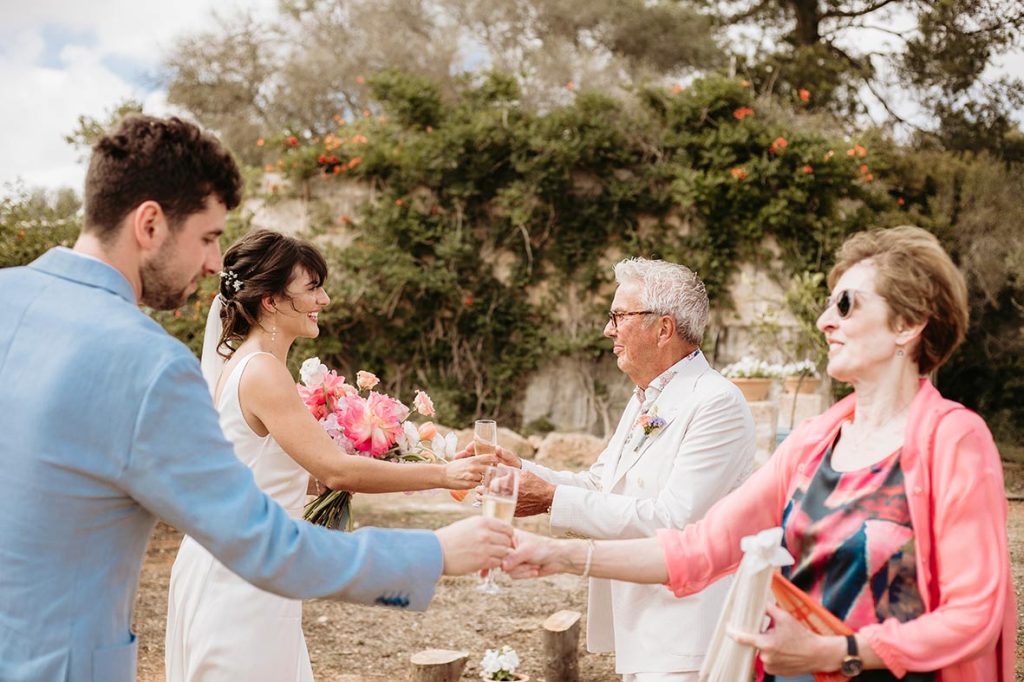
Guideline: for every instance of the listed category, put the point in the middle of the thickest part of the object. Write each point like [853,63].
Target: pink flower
[423,404]
[314,399]
[373,424]
[333,389]
[366,380]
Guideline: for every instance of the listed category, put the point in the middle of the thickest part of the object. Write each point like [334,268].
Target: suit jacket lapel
[669,404]
[615,445]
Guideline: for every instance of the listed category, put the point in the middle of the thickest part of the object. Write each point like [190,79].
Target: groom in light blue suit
[106,424]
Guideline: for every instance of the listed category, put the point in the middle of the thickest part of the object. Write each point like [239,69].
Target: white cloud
[46,87]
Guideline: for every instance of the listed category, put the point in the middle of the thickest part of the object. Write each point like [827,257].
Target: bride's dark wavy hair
[262,263]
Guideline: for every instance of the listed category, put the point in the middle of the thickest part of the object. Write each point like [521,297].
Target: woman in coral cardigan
[891,502]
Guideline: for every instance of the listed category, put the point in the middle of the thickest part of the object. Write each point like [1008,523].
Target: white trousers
[660,677]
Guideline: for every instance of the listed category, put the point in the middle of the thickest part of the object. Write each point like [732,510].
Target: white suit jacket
[705,450]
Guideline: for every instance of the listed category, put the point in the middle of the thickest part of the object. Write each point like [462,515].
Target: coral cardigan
[954,482]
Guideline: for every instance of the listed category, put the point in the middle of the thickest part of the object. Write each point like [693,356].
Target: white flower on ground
[490,663]
[500,664]
[508,659]
[312,372]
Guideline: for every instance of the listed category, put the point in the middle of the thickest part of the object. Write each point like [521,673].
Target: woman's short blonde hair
[920,283]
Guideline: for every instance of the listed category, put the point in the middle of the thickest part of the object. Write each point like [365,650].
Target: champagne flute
[485,440]
[501,491]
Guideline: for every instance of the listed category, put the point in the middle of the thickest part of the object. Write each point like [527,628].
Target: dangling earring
[899,352]
[273,329]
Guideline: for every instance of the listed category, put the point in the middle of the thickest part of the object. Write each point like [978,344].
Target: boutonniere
[651,423]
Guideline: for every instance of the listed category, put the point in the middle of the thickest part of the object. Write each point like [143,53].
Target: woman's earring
[899,352]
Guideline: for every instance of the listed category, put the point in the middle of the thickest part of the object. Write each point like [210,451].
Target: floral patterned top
[851,536]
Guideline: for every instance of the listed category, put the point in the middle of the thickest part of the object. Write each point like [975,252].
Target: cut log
[561,647]
[438,665]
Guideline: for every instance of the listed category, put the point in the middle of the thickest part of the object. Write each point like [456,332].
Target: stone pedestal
[796,407]
[766,416]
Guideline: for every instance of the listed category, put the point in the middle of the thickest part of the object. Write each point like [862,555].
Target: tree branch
[859,13]
[748,14]
[837,29]
[888,109]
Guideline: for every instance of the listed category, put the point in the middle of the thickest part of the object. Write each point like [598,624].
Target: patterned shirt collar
[650,394]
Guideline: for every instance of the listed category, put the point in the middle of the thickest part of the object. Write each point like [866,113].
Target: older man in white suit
[685,440]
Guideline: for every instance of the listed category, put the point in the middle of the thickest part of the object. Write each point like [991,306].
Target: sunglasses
[844,301]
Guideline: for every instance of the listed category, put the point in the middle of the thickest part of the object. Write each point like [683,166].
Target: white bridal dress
[219,627]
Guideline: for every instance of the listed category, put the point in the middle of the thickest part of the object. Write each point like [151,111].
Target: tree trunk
[808,20]
[438,665]
[561,647]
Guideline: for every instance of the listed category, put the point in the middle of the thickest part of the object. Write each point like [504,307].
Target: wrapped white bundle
[727,659]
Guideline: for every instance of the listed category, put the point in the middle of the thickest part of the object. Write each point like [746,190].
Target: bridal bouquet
[366,423]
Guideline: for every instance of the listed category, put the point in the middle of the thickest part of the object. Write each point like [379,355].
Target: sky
[60,59]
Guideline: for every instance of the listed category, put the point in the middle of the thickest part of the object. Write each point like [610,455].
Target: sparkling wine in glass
[485,437]
[501,490]
[485,440]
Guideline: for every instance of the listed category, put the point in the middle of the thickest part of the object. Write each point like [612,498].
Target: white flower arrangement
[803,368]
[752,368]
[500,664]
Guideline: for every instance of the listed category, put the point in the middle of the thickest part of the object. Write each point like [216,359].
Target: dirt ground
[376,643]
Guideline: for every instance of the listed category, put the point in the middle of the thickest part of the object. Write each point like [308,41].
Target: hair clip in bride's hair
[231,279]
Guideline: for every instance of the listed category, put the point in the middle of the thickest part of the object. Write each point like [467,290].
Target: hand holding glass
[501,491]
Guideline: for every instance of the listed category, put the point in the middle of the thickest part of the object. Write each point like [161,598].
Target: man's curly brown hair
[166,160]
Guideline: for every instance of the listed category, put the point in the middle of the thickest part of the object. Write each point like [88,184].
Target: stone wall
[571,394]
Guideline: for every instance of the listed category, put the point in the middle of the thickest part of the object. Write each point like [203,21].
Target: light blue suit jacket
[105,424]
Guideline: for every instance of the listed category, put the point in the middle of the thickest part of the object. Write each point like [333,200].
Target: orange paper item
[812,615]
[459,495]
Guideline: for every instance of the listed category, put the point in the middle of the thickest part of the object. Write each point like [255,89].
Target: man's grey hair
[669,289]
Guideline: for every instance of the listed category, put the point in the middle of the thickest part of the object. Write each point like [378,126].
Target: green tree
[972,202]
[33,221]
[493,225]
[937,53]
[310,64]
[90,129]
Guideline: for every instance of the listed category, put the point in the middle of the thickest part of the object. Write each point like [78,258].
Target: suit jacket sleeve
[715,453]
[709,549]
[182,469]
[589,479]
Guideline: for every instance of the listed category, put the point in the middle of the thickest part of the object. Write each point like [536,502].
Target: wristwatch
[852,665]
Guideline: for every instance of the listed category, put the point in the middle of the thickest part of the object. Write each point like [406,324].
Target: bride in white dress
[219,627]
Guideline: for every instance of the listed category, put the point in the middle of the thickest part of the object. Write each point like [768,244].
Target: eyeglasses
[615,317]
[844,301]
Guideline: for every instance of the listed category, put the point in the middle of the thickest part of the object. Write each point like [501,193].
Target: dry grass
[377,643]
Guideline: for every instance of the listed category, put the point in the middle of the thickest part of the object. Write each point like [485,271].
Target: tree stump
[561,647]
[438,665]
